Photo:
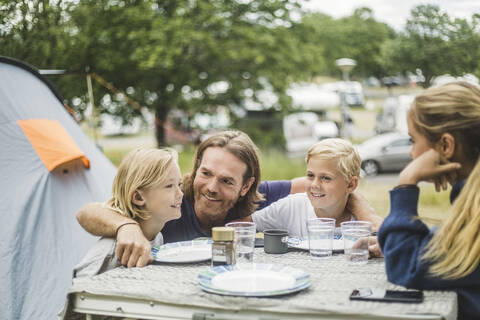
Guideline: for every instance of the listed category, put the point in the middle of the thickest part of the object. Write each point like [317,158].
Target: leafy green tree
[434,43]
[363,37]
[358,36]
[179,54]
[33,31]
[165,54]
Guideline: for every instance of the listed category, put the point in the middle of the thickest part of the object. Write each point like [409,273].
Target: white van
[303,129]
[352,90]
[394,114]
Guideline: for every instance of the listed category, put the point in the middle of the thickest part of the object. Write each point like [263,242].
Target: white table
[171,292]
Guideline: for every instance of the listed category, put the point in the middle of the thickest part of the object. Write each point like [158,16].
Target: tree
[434,43]
[358,36]
[165,54]
[33,31]
[179,54]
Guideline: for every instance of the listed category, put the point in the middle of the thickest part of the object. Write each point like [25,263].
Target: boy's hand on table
[374,248]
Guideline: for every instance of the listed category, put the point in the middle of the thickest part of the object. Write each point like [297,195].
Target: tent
[48,169]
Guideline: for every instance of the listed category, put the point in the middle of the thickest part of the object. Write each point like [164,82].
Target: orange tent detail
[52,143]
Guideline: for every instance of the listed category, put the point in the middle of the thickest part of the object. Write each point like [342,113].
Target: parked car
[385,152]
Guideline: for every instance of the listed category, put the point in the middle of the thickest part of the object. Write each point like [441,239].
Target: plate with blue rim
[183,252]
[253,280]
[337,245]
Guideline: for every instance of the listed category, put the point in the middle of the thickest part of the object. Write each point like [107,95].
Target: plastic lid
[223,233]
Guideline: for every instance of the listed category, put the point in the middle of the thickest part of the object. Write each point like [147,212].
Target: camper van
[394,114]
[352,91]
[303,129]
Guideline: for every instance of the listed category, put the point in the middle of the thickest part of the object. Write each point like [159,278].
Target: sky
[392,12]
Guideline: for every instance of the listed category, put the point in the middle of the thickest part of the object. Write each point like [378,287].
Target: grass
[432,205]
[115,155]
[276,166]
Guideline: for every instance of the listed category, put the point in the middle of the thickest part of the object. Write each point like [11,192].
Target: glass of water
[355,239]
[320,237]
[244,240]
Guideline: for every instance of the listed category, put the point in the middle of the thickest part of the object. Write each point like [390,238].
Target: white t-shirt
[102,257]
[290,213]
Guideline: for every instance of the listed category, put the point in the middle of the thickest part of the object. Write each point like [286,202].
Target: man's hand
[133,249]
[362,210]
[430,166]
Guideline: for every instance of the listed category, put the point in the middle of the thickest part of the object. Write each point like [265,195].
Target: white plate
[183,252]
[303,245]
[253,280]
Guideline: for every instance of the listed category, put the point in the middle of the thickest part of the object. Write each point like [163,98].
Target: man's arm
[100,221]
[133,249]
[299,185]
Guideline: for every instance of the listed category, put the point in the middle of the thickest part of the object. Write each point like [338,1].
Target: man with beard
[224,185]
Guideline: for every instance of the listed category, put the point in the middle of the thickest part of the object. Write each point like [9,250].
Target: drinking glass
[244,240]
[355,239]
[320,237]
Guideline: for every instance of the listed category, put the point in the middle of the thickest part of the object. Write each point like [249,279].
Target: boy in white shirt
[333,169]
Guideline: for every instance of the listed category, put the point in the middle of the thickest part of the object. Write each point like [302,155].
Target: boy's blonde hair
[141,169]
[348,159]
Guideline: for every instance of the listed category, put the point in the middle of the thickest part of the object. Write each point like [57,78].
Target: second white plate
[338,246]
[183,252]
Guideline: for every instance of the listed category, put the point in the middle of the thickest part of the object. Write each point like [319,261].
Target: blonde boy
[333,169]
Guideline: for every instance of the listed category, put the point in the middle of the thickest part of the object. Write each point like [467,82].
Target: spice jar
[223,247]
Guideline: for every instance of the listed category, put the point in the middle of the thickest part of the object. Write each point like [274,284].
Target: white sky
[392,12]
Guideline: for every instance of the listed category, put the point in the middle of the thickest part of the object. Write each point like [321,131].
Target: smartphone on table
[383,295]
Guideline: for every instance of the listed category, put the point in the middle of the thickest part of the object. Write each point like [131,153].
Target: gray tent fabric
[41,241]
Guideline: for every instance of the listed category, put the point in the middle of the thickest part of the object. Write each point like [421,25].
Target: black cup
[275,241]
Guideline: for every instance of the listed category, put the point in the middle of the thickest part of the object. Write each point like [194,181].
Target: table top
[173,288]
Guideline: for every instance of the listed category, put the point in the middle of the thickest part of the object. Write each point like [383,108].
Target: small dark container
[275,241]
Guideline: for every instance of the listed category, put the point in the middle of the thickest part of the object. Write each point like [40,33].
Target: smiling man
[224,185]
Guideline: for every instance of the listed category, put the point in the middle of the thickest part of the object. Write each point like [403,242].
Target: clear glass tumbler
[320,237]
[244,240]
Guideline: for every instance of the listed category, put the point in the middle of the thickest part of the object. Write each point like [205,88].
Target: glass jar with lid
[223,246]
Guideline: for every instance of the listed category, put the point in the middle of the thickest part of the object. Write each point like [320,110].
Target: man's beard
[213,211]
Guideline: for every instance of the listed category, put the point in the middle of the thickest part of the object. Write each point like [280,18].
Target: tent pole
[94,110]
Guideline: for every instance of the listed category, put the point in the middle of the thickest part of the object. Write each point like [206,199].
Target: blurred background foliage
[198,55]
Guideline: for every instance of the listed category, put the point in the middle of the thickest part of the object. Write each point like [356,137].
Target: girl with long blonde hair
[444,124]
[147,189]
